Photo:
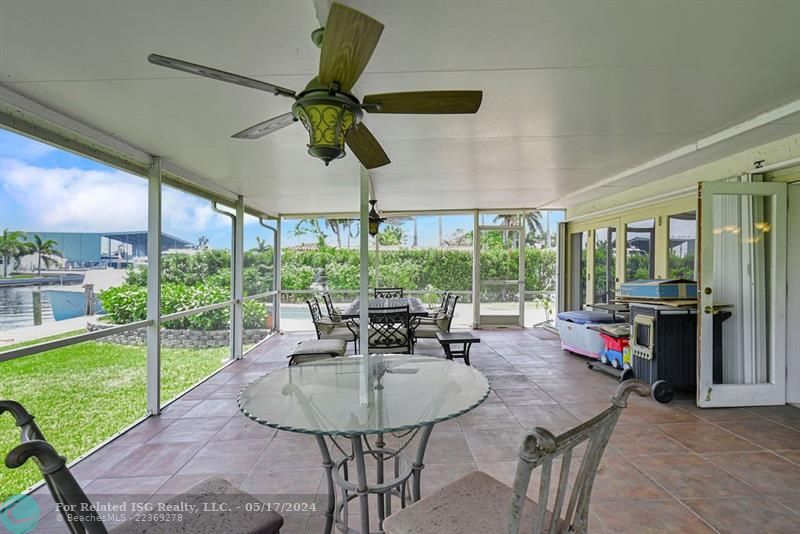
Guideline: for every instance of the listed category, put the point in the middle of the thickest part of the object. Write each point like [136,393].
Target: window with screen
[605,257]
[639,250]
[682,245]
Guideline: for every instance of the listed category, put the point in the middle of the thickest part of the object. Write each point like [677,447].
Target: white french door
[742,356]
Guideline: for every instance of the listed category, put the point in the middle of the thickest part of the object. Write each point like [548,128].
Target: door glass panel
[499,273]
[742,235]
[639,253]
[682,245]
[605,269]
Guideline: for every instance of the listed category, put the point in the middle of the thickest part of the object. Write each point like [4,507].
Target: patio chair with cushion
[390,330]
[333,312]
[328,328]
[442,306]
[221,507]
[428,327]
[480,503]
[388,292]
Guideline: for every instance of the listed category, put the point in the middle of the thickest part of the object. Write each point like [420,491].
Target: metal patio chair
[390,330]
[230,504]
[333,312]
[328,328]
[428,327]
[480,503]
[388,292]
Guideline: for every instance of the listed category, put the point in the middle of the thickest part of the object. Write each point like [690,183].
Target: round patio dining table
[405,396]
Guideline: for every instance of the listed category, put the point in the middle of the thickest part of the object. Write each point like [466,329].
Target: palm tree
[310,226]
[336,226]
[12,244]
[261,244]
[531,219]
[45,249]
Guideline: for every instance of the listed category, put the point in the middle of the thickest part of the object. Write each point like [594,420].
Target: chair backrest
[316,314]
[445,300]
[75,507]
[326,297]
[389,328]
[450,309]
[540,448]
[388,292]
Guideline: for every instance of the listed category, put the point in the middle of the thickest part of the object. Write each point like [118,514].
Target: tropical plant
[45,250]
[311,226]
[459,238]
[339,226]
[12,244]
[392,235]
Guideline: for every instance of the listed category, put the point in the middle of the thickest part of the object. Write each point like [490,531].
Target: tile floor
[668,468]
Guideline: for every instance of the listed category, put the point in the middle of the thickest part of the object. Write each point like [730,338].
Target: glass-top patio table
[406,396]
[415,306]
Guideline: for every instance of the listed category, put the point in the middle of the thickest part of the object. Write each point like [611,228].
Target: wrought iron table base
[337,475]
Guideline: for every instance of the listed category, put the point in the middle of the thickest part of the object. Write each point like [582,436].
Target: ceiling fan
[326,107]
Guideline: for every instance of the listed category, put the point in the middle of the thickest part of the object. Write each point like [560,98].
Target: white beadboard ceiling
[574,92]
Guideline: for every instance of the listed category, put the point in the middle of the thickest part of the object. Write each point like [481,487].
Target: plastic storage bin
[577,337]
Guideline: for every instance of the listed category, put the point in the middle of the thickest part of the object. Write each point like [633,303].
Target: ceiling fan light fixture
[375,219]
[327,118]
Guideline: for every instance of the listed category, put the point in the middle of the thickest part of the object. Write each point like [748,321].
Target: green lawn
[85,393]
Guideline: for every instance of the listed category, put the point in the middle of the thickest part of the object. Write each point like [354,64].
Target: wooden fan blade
[366,148]
[215,74]
[267,127]
[350,38]
[424,102]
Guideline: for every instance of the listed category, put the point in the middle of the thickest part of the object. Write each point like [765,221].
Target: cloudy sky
[46,189]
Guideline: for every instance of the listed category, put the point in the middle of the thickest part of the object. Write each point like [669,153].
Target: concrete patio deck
[668,468]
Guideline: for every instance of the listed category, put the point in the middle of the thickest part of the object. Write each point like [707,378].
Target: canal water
[16,307]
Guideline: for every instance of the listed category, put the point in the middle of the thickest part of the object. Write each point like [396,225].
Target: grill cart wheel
[662,391]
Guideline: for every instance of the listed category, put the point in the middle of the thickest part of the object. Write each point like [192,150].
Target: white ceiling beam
[721,136]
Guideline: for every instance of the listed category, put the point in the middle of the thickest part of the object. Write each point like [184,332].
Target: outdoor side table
[448,339]
[406,395]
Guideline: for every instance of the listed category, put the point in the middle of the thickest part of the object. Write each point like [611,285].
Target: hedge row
[194,280]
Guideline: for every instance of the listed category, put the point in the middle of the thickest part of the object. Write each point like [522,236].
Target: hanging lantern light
[375,219]
[328,116]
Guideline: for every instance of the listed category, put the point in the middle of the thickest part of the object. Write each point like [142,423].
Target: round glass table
[406,396]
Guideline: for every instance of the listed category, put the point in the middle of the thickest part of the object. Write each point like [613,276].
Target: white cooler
[577,337]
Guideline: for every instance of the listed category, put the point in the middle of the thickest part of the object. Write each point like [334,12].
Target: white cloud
[80,200]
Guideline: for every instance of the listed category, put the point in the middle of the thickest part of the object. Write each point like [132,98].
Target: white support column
[237,273]
[154,288]
[364,287]
[276,309]
[522,247]
[476,269]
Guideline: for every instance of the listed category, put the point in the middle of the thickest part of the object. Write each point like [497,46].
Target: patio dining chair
[390,330]
[388,292]
[428,327]
[479,503]
[333,312]
[221,507]
[328,328]
[442,306]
